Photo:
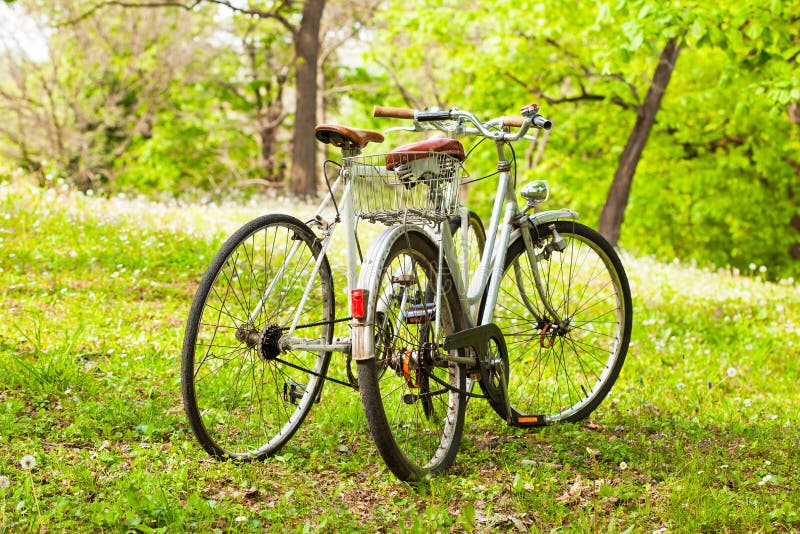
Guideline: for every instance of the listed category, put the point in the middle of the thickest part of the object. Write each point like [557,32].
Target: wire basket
[416,187]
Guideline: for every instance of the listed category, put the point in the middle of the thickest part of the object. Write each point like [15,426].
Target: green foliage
[197,101]
[139,103]
[719,170]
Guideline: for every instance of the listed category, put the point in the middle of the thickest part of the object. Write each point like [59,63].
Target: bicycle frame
[348,221]
[503,229]
[346,209]
[490,270]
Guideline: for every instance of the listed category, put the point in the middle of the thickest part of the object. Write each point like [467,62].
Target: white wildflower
[767,480]
[240,519]
[4,482]
[27,462]
[623,466]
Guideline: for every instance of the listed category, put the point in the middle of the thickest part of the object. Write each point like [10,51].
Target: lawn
[700,433]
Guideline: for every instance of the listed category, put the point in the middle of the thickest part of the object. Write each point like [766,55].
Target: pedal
[527,421]
[294,391]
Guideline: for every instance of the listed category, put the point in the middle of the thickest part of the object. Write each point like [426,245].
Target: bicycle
[423,327]
[241,352]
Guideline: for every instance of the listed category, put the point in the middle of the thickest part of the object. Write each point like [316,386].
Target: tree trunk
[614,209]
[304,156]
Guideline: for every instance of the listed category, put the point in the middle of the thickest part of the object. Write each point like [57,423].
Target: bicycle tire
[563,373]
[242,397]
[477,240]
[417,429]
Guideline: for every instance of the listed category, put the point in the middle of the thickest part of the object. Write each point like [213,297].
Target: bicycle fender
[361,335]
[545,217]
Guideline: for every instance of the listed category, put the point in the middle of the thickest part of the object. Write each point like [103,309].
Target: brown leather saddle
[346,137]
[422,149]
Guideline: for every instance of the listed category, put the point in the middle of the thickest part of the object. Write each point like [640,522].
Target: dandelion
[4,482]
[28,462]
[732,372]
[768,479]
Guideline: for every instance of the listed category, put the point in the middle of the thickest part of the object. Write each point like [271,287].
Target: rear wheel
[412,396]
[244,394]
[562,366]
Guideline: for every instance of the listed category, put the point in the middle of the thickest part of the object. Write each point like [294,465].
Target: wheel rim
[558,368]
[420,408]
[249,401]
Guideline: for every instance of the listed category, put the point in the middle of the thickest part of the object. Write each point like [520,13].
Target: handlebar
[394,113]
[485,129]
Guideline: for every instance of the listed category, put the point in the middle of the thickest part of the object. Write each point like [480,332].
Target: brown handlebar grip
[395,113]
[513,121]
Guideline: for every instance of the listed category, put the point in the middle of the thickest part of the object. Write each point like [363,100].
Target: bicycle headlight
[535,192]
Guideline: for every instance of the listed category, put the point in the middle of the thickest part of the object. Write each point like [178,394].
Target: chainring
[492,363]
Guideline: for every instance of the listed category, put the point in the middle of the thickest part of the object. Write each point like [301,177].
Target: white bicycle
[537,310]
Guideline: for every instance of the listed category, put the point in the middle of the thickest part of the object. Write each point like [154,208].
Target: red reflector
[358,303]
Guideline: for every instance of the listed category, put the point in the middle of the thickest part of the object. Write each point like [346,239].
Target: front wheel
[412,395]
[562,365]
[475,241]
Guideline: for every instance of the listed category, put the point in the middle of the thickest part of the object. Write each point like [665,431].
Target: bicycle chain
[455,389]
[319,323]
[309,371]
[350,385]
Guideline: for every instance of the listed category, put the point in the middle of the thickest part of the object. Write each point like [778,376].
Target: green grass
[700,433]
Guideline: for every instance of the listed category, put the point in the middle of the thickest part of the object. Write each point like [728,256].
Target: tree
[79,111]
[594,68]
[304,155]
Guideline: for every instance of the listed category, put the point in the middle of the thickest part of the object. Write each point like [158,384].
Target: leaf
[606,491]
[603,14]
[696,32]
[753,30]
[789,53]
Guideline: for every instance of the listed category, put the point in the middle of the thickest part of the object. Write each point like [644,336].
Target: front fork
[556,244]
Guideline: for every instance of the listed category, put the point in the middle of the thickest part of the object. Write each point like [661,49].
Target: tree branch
[274,13]
[121,3]
[584,95]
[408,97]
